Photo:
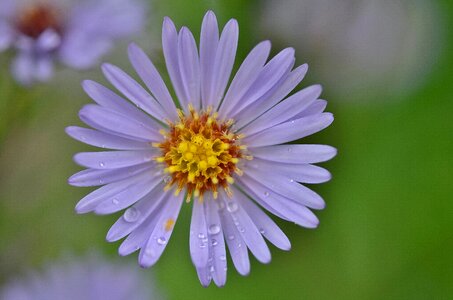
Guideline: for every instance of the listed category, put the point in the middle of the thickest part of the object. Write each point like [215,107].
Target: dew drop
[232,206]
[291,180]
[102,146]
[262,231]
[162,241]
[101,181]
[131,214]
[101,164]
[214,242]
[167,179]
[231,237]
[292,122]
[83,138]
[266,194]
[239,245]
[241,229]
[202,245]
[214,229]
[211,269]
[201,236]
[222,257]
[115,201]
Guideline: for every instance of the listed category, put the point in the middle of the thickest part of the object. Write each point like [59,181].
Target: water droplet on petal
[82,137]
[201,236]
[162,240]
[262,231]
[115,201]
[131,214]
[241,229]
[211,269]
[102,146]
[266,194]
[292,122]
[214,229]
[231,237]
[202,245]
[167,179]
[101,164]
[101,181]
[222,257]
[214,242]
[232,206]
[291,180]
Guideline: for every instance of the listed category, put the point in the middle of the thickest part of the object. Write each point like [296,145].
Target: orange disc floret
[201,153]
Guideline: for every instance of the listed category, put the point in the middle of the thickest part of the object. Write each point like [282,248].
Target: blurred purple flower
[75,33]
[224,150]
[91,278]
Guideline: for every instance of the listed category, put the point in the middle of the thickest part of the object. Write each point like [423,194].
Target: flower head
[224,150]
[90,278]
[75,33]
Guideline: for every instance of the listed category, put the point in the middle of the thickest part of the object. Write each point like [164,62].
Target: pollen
[201,153]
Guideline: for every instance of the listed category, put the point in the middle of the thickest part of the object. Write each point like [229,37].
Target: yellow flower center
[200,153]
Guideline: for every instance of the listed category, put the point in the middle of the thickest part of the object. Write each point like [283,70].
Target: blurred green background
[386,232]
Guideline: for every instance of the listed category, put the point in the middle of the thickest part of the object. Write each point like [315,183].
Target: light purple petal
[216,243]
[133,91]
[170,49]
[270,75]
[114,159]
[204,275]
[224,61]
[236,246]
[151,77]
[43,68]
[244,78]
[316,108]
[251,235]
[288,188]
[6,35]
[284,111]
[138,237]
[136,191]
[80,50]
[286,208]
[106,98]
[95,177]
[90,201]
[110,121]
[305,173]
[48,41]
[295,154]
[189,66]
[160,236]
[23,68]
[266,226]
[137,214]
[198,239]
[110,18]
[275,95]
[104,140]
[289,131]
[209,39]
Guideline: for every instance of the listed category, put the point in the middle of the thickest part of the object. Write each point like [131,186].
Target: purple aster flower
[90,278]
[75,33]
[224,150]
